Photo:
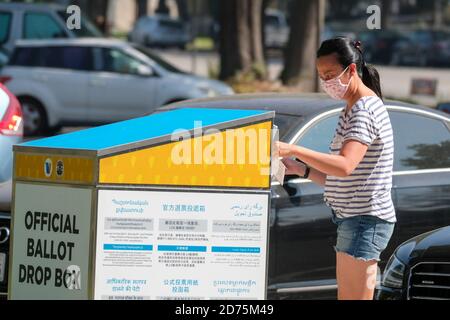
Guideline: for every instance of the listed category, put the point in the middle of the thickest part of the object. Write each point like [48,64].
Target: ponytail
[371,78]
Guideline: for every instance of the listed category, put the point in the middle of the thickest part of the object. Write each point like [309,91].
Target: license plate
[2,266]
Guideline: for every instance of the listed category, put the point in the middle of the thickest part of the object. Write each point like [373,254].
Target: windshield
[87,30]
[287,125]
[160,61]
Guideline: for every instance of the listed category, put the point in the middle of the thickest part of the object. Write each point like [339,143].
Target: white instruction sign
[181,245]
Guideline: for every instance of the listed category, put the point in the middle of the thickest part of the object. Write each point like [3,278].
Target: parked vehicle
[94,81]
[11,129]
[39,21]
[444,107]
[423,48]
[419,269]
[276,29]
[302,235]
[379,45]
[160,31]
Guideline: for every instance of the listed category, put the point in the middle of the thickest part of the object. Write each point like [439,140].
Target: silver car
[11,130]
[112,79]
[161,31]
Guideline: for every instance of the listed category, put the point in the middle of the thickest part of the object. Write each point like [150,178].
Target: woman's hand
[284,150]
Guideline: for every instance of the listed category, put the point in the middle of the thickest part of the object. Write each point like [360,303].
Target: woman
[357,174]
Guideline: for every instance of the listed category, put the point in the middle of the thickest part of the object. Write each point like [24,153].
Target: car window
[73,58]
[171,24]
[272,21]
[114,60]
[5,24]
[320,135]
[25,57]
[428,147]
[41,26]
[158,59]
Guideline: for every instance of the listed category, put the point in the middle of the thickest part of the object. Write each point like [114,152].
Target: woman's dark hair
[348,52]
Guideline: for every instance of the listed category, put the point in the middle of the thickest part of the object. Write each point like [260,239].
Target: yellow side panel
[213,160]
[62,169]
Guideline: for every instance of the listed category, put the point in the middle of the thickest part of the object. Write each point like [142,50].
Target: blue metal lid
[148,128]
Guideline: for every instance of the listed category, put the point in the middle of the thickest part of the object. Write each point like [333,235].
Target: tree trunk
[255,29]
[300,54]
[183,10]
[142,8]
[97,11]
[265,5]
[163,8]
[241,47]
[386,9]
[438,14]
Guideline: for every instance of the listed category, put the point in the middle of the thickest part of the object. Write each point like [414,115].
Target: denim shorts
[363,237]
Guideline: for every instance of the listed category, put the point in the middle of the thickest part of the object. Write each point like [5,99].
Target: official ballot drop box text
[173,205]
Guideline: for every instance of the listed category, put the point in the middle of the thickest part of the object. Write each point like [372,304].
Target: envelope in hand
[278,169]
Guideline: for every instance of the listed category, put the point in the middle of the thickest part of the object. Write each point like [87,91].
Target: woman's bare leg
[356,278]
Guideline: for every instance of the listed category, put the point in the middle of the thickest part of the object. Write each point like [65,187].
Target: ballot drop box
[174,205]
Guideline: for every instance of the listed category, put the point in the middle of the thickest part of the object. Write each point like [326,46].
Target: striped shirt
[367,191]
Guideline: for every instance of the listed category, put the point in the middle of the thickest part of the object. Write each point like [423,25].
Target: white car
[160,30]
[95,81]
[276,29]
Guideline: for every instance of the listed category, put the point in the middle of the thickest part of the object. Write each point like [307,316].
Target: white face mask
[335,88]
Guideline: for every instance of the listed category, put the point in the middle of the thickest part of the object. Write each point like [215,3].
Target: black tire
[35,117]
[51,131]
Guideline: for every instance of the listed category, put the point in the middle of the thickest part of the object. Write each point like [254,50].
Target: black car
[419,269]
[423,48]
[444,107]
[302,235]
[379,45]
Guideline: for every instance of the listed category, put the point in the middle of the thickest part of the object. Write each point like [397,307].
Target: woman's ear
[353,69]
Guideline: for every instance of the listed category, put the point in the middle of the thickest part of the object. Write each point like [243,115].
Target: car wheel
[34,116]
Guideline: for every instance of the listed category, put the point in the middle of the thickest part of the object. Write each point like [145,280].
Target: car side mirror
[145,71]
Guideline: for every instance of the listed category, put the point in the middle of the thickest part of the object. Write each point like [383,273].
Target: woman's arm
[295,168]
[341,165]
